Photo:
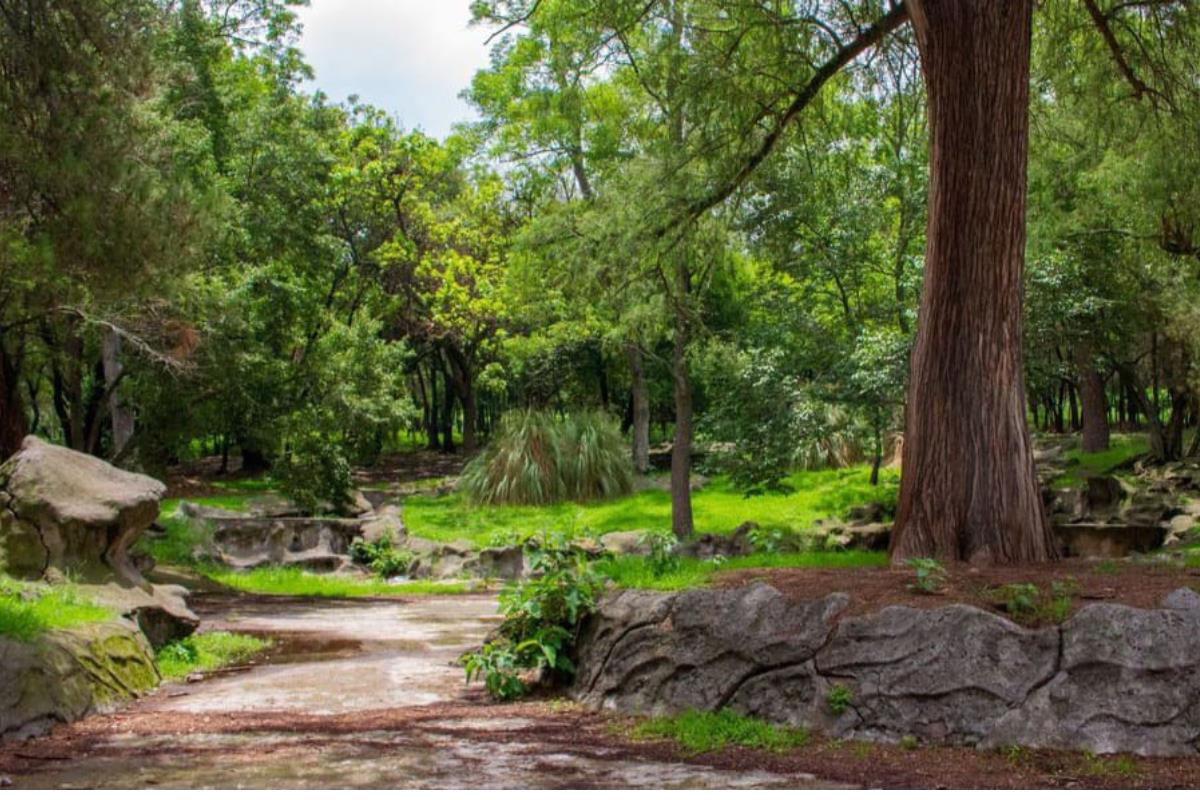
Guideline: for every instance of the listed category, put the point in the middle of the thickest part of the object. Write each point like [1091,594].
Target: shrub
[538,458]
[929,576]
[316,473]
[541,619]
[663,558]
[382,557]
[839,699]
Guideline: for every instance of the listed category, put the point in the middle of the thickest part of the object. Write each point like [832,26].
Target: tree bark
[968,490]
[682,524]
[641,409]
[121,417]
[13,425]
[1095,405]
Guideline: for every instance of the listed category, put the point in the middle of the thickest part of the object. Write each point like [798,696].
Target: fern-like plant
[538,458]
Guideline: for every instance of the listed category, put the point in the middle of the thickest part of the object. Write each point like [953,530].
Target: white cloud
[409,57]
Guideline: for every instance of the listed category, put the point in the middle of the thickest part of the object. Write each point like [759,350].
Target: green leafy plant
[381,556]
[538,458]
[929,576]
[663,557]
[765,540]
[1020,600]
[542,616]
[839,699]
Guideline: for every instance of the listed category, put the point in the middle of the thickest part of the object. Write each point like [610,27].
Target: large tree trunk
[12,409]
[968,490]
[681,449]
[1095,405]
[641,409]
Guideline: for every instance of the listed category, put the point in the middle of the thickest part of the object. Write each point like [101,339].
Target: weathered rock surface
[69,511]
[159,611]
[648,652]
[68,674]
[1110,679]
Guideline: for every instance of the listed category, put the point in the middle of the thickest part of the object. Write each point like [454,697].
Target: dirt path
[359,694]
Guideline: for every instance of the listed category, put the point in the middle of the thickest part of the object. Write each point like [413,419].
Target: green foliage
[315,472]
[765,540]
[542,615]
[839,699]
[712,731]
[1024,602]
[639,572]
[929,576]
[539,458]
[1080,465]
[663,557]
[204,652]
[178,544]
[720,507]
[381,556]
[298,583]
[909,742]
[27,610]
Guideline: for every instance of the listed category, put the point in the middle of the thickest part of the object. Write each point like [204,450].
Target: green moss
[1081,465]
[28,610]
[296,582]
[204,652]
[638,572]
[718,508]
[706,731]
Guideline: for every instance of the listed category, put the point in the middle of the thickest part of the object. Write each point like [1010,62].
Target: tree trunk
[969,491]
[447,411]
[121,417]
[681,449]
[641,409]
[12,409]
[1095,405]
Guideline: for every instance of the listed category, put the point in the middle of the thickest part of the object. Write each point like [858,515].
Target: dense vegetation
[709,220]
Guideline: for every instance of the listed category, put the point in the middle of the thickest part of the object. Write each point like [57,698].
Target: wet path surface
[357,694]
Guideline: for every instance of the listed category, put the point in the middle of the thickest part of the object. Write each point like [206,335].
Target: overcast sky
[409,57]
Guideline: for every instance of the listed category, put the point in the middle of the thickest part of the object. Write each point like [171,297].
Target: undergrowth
[707,731]
[204,652]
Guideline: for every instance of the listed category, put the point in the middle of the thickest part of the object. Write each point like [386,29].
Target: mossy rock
[68,674]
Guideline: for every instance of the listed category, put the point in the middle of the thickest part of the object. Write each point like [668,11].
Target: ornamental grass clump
[538,458]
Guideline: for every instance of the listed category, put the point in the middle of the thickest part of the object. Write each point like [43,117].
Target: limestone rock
[647,652]
[71,511]
[942,674]
[1129,681]
[159,611]
[70,673]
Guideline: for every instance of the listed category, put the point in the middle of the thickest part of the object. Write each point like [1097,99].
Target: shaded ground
[359,693]
[1089,581]
[364,694]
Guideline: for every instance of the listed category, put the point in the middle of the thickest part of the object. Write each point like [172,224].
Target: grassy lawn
[28,610]
[719,508]
[204,652]
[638,572]
[1081,465]
[707,731]
[298,583]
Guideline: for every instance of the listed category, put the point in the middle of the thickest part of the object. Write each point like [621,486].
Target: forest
[707,276]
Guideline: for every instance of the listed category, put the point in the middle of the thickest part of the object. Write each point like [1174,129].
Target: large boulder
[68,674]
[1128,681]
[69,511]
[647,652]
[942,674]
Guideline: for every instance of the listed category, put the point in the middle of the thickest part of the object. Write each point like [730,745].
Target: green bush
[316,473]
[929,576]
[538,458]
[541,619]
[382,557]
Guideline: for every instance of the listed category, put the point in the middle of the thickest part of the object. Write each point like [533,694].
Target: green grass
[228,502]
[176,546]
[707,731]
[28,610]
[637,572]
[1081,465]
[204,652]
[298,583]
[718,508]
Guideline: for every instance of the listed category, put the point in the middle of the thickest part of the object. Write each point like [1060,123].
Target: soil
[1085,581]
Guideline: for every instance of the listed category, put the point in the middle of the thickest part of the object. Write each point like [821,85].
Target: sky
[409,57]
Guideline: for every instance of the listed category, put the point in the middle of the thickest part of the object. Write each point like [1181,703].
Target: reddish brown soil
[567,729]
[870,589]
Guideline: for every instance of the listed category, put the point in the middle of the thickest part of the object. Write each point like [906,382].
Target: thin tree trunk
[681,449]
[1095,405]
[969,490]
[641,409]
[120,415]
[12,409]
